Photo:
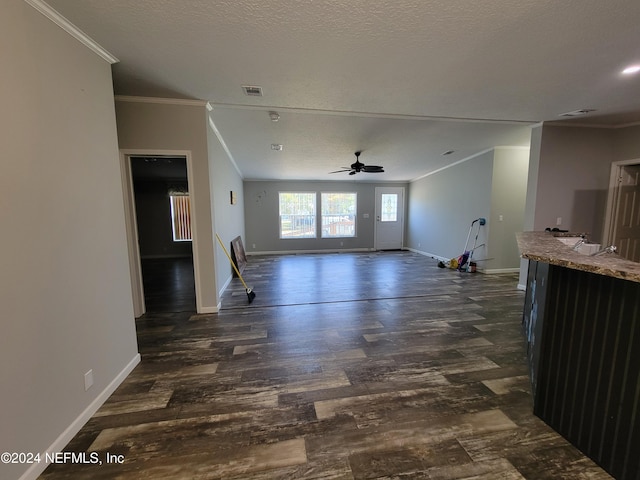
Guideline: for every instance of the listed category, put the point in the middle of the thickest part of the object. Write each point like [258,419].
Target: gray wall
[443,205]
[162,127]
[65,286]
[153,209]
[262,221]
[508,200]
[569,173]
[573,178]
[228,220]
[626,143]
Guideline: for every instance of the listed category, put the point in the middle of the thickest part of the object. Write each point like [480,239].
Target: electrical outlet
[88,380]
[501,218]
[559,221]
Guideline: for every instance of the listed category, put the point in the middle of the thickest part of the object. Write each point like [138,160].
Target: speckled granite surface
[544,247]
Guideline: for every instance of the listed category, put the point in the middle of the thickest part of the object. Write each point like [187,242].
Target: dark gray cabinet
[583,342]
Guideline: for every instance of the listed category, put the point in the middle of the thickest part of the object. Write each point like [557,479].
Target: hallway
[345,366]
[169,285]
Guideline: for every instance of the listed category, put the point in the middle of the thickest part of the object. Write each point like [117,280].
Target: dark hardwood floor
[345,366]
[169,285]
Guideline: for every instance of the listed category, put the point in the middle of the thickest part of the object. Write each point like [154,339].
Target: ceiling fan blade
[360,167]
[372,169]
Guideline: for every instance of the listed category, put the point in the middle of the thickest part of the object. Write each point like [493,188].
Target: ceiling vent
[577,113]
[252,90]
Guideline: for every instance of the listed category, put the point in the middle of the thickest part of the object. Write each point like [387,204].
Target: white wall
[157,125]
[64,279]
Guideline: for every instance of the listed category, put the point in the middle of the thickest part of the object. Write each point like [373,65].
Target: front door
[626,232]
[389,227]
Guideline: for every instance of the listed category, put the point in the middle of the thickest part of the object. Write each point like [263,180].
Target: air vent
[252,90]
[577,113]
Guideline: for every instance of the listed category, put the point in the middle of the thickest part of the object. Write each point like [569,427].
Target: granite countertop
[544,247]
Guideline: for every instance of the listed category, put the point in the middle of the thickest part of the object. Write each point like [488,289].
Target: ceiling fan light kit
[358,167]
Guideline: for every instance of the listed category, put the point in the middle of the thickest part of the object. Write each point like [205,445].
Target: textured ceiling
[401,80]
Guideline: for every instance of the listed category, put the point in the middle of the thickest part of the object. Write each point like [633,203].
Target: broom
[250,293]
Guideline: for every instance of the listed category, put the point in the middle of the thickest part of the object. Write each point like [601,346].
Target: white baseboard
[427,254]
[65,437]
[225,286]
[294,252]
[207,310]
[502,270]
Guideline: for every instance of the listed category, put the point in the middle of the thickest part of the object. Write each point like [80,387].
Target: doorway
[161,255]
[389,226]
[623,213]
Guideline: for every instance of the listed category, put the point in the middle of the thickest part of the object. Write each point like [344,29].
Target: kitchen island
[581,322]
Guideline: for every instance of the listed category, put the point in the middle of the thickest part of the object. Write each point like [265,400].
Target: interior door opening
[162,221]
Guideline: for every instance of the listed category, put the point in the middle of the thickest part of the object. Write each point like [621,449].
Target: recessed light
[276,146]
[631,69]
[252,90]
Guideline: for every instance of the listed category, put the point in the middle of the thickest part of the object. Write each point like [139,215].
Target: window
[339,214]
[389,207]
[297,215]
[181,217]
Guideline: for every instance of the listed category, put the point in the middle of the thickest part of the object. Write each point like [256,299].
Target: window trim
[184,224]
[315,215]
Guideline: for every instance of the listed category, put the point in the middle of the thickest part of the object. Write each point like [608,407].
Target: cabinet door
[533,316]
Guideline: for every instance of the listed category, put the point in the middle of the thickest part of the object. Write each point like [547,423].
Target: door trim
[612,198]
[135,265]
[378,190]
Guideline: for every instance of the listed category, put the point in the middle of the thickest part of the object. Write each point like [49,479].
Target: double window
[298,214]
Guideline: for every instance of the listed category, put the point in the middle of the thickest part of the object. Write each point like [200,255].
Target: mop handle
[231,261]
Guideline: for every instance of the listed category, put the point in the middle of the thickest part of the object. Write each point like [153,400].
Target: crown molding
[166,101]
[395,116]
[453,164]
[72,30]
[224,146]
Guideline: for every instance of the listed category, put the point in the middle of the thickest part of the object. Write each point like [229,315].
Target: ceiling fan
[358,167]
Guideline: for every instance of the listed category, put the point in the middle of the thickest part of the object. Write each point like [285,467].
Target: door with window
[389,226]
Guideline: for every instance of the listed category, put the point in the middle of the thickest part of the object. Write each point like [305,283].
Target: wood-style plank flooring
[169,284]
[345,366]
